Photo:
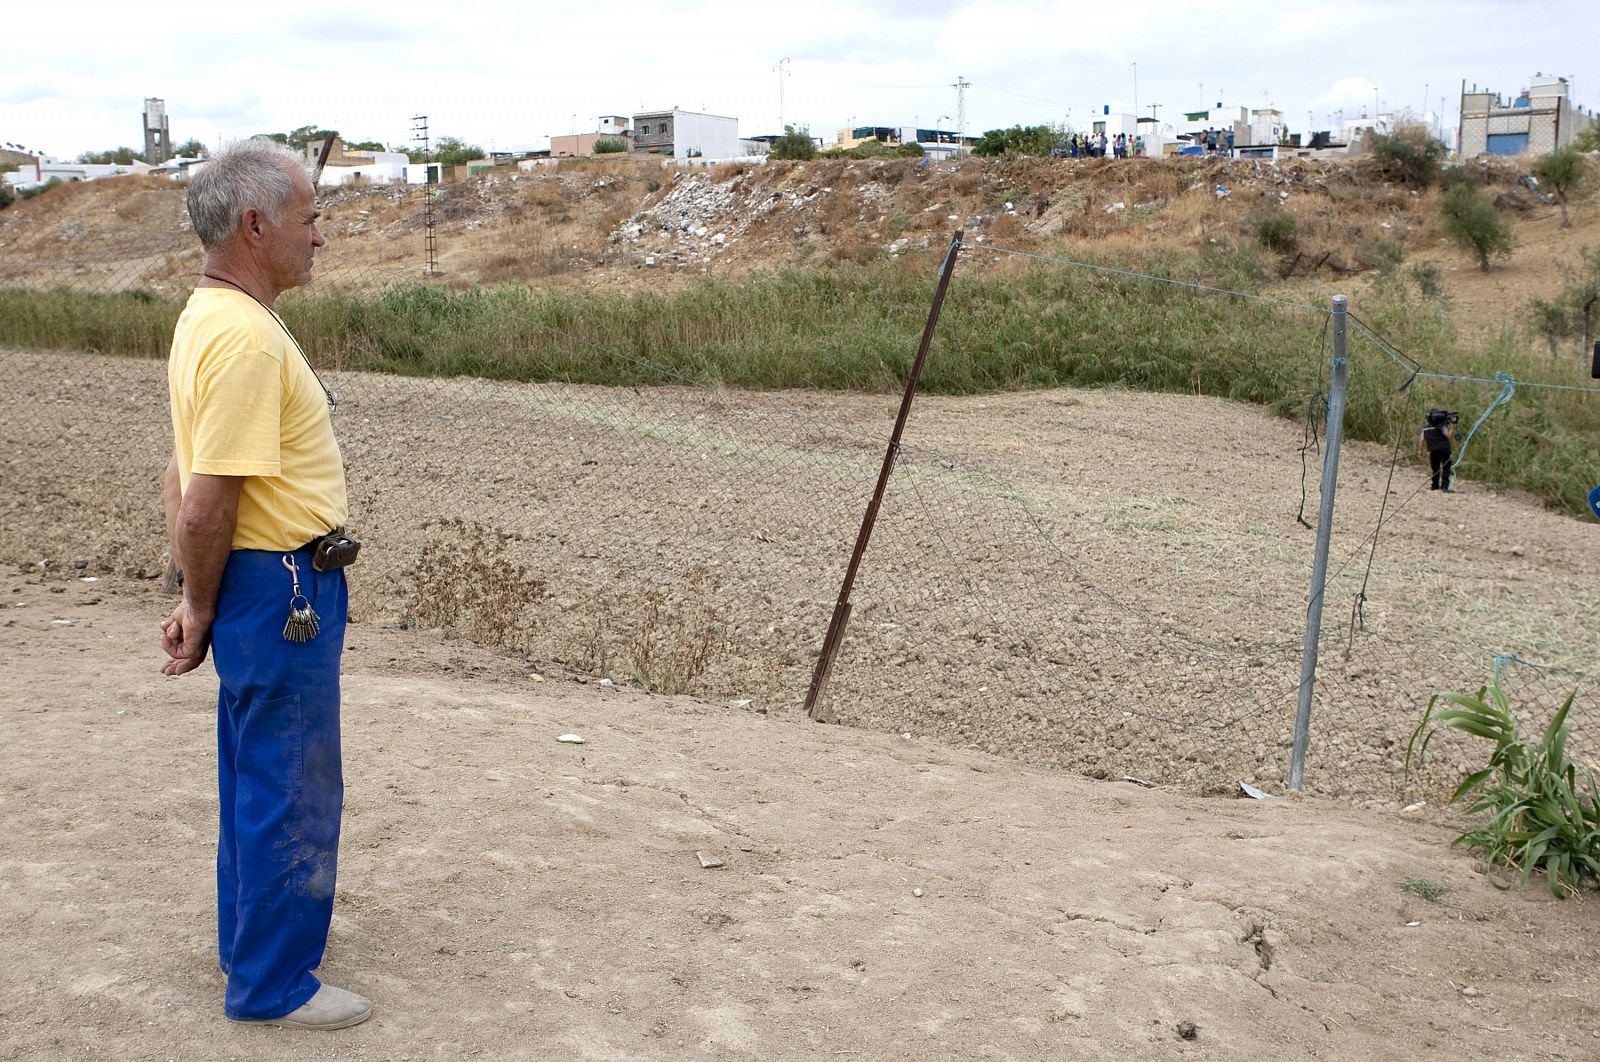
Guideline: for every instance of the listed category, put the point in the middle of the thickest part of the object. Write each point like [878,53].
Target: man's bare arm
[203,533]
[171,499]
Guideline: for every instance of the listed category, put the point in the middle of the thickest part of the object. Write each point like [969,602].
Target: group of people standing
[1216,141]
[1098,145]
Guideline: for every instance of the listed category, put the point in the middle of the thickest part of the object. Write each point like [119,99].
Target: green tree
[191,149]
[1018,140]
[1589,139]
[365,145]
[1473,222]
[453,151]
[1565,171]
[307,134]
[121,156]
[1574,311]
[1410,154]
[794,144]
[610,145]
[7,196]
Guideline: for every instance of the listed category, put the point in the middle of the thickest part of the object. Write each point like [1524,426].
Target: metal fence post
[1319,566]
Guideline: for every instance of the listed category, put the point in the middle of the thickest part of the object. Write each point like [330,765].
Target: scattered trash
[1188,1030]
[571,739]
[1221,191]
[906,736]
[742,702]
[1255,794]
[708,862]
[1469,992]
[917,892]
[1138,781]
[607,683]
[1412,809]
[90,579]
[1412,925]
[62,623]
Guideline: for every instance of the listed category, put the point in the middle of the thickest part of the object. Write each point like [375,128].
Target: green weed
[1431,891]
[1541,814]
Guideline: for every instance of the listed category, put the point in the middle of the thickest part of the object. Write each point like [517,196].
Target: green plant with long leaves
[1541,814]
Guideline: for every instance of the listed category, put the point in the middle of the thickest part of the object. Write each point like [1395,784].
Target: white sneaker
[331,1008]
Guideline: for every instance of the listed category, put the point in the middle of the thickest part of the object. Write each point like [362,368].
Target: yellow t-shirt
[245,403]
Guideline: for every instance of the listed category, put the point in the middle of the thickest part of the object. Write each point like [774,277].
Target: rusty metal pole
[841,609]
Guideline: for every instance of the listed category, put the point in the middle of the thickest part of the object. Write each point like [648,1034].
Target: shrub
[1542,816]
[1275,229]
[1573,310]
[794,144]
[1018,140]
[1473,222]
[7,196]
[1382,253]
[1409,154]
[1430,280]
[38,189]
[610,146]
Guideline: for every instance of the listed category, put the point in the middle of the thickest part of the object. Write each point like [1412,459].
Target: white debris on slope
[698,216]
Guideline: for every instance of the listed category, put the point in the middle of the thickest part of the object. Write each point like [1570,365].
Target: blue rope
[1507,386]
[1502,659]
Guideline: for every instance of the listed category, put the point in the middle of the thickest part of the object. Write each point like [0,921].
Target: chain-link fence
[1037,585]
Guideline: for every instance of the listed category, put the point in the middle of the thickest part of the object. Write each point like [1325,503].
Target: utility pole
[961,86]
[783,71]
[1136,90]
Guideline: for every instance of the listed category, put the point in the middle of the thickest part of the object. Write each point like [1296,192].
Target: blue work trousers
[279,779]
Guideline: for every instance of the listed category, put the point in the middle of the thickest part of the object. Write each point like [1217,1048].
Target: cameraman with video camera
[1435,440]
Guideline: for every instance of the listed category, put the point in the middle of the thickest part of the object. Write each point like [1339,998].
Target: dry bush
[464,582]
[1008,229]
[857,245]
[665,640]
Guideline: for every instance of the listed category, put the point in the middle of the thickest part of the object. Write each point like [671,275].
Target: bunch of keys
[302,625]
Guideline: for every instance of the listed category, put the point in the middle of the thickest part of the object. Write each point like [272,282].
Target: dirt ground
[1110,583]
[503,895]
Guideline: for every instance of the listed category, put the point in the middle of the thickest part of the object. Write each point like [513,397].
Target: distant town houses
[1542,119]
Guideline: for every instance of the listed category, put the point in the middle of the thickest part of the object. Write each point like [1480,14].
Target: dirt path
[506,896]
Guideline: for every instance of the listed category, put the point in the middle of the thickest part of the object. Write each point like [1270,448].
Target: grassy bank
[856,328]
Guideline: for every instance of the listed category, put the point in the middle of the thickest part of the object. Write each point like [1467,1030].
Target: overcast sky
[506,74]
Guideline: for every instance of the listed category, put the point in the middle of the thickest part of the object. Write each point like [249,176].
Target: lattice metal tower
[419,133]
[961,86]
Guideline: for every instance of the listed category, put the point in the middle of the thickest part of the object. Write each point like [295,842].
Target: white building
[686,134]
[1541,120]
[45,169]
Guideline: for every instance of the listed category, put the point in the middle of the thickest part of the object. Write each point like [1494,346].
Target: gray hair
[244,174]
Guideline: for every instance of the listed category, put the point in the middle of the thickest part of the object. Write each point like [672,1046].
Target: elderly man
[255,486]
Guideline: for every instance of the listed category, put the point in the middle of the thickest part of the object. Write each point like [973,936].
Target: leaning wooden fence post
[841,608]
